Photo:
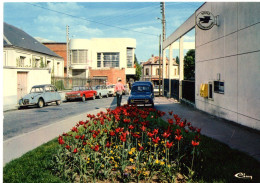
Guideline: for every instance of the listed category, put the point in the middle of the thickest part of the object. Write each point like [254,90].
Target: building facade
[103,58]
[227,60]
[151,70]
[227,66]
[26,62]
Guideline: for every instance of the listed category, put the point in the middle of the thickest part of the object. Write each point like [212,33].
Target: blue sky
[88,20]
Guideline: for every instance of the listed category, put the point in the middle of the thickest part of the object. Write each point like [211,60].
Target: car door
[47,94]
[56,95]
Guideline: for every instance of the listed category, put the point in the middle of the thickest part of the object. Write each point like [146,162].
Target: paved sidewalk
[235,136]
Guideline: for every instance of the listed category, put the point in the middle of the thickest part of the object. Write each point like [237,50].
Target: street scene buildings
[221,95]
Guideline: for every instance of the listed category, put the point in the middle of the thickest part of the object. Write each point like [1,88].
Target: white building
[26,62]
[99,54]
[227,61]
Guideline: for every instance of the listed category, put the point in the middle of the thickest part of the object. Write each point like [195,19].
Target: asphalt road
[22,121]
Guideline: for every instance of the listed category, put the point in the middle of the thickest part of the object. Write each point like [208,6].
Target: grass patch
[219,163]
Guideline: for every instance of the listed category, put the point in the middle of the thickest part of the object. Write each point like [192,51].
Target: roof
[18,38]
[154,60]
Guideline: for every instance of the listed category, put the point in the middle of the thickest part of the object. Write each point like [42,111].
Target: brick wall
[61,50]
[112,74]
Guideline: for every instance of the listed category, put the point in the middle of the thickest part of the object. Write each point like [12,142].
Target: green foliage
[59,85]
[138,70]
[177,60]
[189,65]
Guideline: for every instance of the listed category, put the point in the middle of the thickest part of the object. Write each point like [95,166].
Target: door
[21,84]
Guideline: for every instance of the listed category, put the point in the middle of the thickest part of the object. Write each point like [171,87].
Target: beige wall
[97,45]
[231,49]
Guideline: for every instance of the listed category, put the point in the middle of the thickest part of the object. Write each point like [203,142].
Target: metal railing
[66,83]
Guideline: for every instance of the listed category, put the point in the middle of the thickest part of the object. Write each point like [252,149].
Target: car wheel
[58,102]
[83,98]
[94,97]
[100,96]
[40,103]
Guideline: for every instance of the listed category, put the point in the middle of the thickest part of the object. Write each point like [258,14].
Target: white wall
[34,77]
[233,50]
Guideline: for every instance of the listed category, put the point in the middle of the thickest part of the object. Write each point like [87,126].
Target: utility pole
[68,52]
[163,20]
[161,69]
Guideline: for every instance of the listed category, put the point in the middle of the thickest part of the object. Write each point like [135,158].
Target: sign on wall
[205,20]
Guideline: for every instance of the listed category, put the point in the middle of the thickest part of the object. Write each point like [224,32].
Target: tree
[189,65]
[177,60]
[138,70]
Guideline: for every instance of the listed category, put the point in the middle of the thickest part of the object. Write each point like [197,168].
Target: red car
[81,92]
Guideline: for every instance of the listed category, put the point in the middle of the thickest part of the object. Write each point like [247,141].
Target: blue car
[40,95]
[142,93]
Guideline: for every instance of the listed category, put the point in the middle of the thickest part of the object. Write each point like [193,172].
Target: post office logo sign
[205,20]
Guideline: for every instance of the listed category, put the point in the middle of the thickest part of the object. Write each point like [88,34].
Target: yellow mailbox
[204,90]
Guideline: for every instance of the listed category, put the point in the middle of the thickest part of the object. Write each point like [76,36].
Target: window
[157,72]
[37,63]
[219,87]
[129,57]
[79,56]
[98,59]
[146,71]
[21,61]
[108,59]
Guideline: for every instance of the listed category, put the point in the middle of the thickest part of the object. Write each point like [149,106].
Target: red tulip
[178,132]
[60,140]
[150,134]
[131,127]
[166,135]
[108,144]
[141,148]
[170,121]
[155,131]
[169,145]
[170,112]
[194,143]
[143,128]
[96,148]
[178,137]
[112,133]
[77,137]
[156,140]
[67,147]
[75,150]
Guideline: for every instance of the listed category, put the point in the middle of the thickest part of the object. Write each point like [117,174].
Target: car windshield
[37,90]
[141,89]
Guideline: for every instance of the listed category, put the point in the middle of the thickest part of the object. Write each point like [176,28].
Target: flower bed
[128,144]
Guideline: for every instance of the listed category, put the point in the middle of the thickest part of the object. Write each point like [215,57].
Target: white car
[111,89]
[102,91]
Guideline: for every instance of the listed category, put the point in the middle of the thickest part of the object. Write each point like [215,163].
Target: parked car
[101,90]
[81,92]
[111,89]
[156,90]
[40,95]
[142,93]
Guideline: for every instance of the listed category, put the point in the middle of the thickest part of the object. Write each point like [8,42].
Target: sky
[87,20]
